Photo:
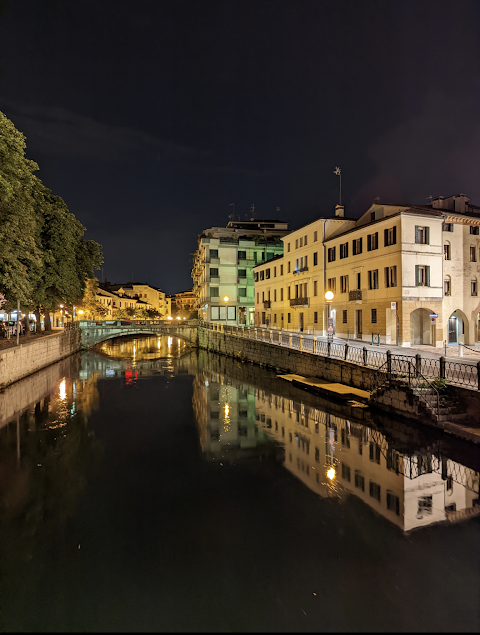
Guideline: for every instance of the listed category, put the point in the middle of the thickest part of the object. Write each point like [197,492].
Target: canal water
[148,487]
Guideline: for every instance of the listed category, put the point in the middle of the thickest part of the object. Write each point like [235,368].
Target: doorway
[300,322]
[452,330]
[358,324]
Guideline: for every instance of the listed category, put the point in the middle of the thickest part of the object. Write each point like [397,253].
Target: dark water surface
[145,487]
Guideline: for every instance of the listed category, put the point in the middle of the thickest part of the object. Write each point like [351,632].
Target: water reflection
[333,455]
[142,349]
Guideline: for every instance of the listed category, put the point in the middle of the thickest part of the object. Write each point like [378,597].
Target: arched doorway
[456,327]
[421,329]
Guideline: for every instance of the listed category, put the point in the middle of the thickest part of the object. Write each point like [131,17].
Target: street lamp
[226,299]
[328,298]
[61,314]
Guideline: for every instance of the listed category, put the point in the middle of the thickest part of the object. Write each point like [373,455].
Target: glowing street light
[331,473]
[226,299]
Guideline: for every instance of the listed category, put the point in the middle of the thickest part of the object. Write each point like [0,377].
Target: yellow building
[399,274]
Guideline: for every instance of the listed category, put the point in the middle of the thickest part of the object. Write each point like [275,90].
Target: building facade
[223,267]
[400,274]
[183,303]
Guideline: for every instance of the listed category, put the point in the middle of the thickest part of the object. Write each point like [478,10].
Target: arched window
[447,252]
[447,286]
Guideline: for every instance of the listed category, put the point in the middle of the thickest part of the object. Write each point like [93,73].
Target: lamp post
[61,314]
[226,299]
[328,298]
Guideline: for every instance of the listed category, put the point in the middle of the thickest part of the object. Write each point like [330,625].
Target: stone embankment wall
[286,360]
[23,360]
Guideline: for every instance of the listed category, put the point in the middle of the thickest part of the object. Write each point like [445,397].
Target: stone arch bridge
[94,332]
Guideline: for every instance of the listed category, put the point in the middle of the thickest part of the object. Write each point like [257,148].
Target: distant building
[223,267]
[150,297]
[183,303]
[406,273]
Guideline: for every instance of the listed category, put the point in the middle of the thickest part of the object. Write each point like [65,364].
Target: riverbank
[35,353]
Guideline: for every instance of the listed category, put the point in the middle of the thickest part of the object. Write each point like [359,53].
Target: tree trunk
[47,323]
[37,315]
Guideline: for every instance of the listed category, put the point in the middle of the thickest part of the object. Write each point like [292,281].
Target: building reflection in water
[331,455]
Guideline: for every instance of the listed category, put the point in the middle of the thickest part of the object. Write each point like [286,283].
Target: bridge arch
[95,332]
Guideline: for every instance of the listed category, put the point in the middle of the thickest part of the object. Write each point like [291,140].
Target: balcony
[267,304]
[356,294]
[299,302]
[301,270]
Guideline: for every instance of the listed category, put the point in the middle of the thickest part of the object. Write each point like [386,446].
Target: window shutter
[369,242]
[394,241]
[427,276]
[360,246]
[385,237]
[417,234]
[394,276]
[386,277]
[427,235]
[417,280]
[376,240]
[354,247]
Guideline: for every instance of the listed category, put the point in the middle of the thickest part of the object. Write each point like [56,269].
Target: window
[447,227]
[473,254]
[214,292]
[288,267]
[393,503]
[374,452]
[359,481]
[255,276]
[288,246]
[344,316]
[474,230]
[242,292]
[372,216]
[473,287]
[275,296]
[281,270]
[332,284]
[447,289]
[331,254]
[390,237]
[314,287]
[315,258]
[289,317]
[343,284]
[288,293]
[375,491]
[344,250]
[357,246]
[372,241]
[346,472]
[391,276]
[422,235]
[214,314]
[305,241]
[315,237]
[422,275]
[425,506]
[274,272]
[374,316]
[296,243]
[267,274]
[242,255]
[242,273]
[359,280]
[262,275]
[301,242]
[315,317]
[446,252]
[281,294]
[213,253]
[258,297]
[373,279]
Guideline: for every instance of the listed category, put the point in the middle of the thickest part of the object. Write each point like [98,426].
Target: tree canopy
[44,258]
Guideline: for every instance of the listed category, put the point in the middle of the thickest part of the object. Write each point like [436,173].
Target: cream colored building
[391,272]
[150,297]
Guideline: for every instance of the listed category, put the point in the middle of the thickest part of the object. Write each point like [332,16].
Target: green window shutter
[427,235]
[416,274]
[417,234]
[427,276]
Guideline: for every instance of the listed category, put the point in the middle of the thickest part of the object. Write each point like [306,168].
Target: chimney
[339,210]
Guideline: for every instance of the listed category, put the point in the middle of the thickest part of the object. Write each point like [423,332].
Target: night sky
[150,117]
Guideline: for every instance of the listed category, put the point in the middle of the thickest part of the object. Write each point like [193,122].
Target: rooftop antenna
[338,172]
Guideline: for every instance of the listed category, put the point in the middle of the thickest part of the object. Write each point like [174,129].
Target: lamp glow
[331,473]
[226,298]
[329,296]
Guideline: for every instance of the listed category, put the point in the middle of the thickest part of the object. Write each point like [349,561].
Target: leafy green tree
[93,309]
[20,255]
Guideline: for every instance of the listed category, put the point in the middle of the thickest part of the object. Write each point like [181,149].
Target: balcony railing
[266,304]
[356,294]
[300,270]
[299,302]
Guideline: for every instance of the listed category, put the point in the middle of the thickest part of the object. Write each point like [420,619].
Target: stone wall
[286,360]
[25,359]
